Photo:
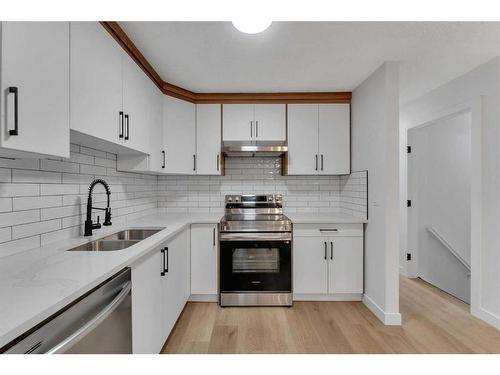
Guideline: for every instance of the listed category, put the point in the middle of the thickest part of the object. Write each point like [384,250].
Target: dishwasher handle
[90,325]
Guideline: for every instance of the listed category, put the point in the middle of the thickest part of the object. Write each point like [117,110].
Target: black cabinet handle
[14,90]
[164,158]
[325,249]
[316,161]
[331,250]
[213,242]
[321,161]
[194,162]
[128,127]
[218,162]
[163,261]
[251,130]
[166,251]
[256,129]
[120,126]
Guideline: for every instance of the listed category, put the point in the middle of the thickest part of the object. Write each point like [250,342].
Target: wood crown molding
[204,98]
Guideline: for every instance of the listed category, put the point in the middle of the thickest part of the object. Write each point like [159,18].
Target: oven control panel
[257,199]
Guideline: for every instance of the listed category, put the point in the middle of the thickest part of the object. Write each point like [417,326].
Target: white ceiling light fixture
[251,26]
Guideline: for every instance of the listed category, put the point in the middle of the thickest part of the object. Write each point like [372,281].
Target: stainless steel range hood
[249,149]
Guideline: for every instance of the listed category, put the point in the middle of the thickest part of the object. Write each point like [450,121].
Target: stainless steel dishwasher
[98,322]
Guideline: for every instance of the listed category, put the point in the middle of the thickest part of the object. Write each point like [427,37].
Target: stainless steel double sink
[118,241]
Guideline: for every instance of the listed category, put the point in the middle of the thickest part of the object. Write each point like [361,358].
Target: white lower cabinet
[328,262]
[176,281]
[147,296]
[160,289]
[204,262]
[310,269]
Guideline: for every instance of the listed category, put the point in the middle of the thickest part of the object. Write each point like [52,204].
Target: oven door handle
[286,236]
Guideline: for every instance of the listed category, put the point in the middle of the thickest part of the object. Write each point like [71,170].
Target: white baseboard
[328,297]
[389,319]
[203,298]
[487,316]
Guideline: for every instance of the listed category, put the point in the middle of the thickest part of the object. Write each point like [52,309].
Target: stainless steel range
[255,252]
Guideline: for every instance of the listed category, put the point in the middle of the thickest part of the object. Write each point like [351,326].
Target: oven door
[255,262]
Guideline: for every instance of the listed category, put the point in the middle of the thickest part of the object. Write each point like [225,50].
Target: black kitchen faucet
[89,225]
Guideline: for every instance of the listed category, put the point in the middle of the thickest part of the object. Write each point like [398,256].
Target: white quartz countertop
[324,218]
[37,283]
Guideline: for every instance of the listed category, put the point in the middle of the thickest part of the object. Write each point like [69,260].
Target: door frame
[475,108]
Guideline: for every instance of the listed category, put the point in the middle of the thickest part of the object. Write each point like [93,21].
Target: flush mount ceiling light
[251,26]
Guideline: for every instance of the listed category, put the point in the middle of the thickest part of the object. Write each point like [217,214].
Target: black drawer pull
[14,90]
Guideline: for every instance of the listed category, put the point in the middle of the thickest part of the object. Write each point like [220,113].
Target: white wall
[374,139]
[477,90]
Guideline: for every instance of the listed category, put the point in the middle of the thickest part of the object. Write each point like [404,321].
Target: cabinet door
[136,105]
[203,259]
[147,335]
[156,130]
[270,122]
[179,134]
[346,265]
[96,82]
[334,139]
[238,122]
[303,139]
[310,268]
[176,280]
[208,142]
[35,62]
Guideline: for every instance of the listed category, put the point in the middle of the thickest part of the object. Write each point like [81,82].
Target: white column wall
[374,141]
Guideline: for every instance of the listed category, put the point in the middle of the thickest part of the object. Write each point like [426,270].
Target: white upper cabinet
[238,123]
[318,139]
[179,136]
[137,108]
[34,89]
[270,122]
[302,139]
[208,139]
[96,82]
[334,139]
[249,122]
[156,156]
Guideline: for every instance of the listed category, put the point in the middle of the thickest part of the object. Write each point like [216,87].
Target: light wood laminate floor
[433,322]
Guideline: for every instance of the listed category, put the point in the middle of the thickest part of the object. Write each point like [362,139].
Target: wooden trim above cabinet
[275,97]
[214,98]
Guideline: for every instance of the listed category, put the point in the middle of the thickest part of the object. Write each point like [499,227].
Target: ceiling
[312,56]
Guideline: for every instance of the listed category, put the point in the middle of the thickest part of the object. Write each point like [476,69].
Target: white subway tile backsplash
[5,234]
[61,189]
[29,203]
[26,175]
[42,201]
[20,163]
[27,230]
[5,204]
[8,219]
[259,176]
[58,166]
[19,190]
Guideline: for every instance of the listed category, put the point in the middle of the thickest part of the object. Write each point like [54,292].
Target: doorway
[439,202]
